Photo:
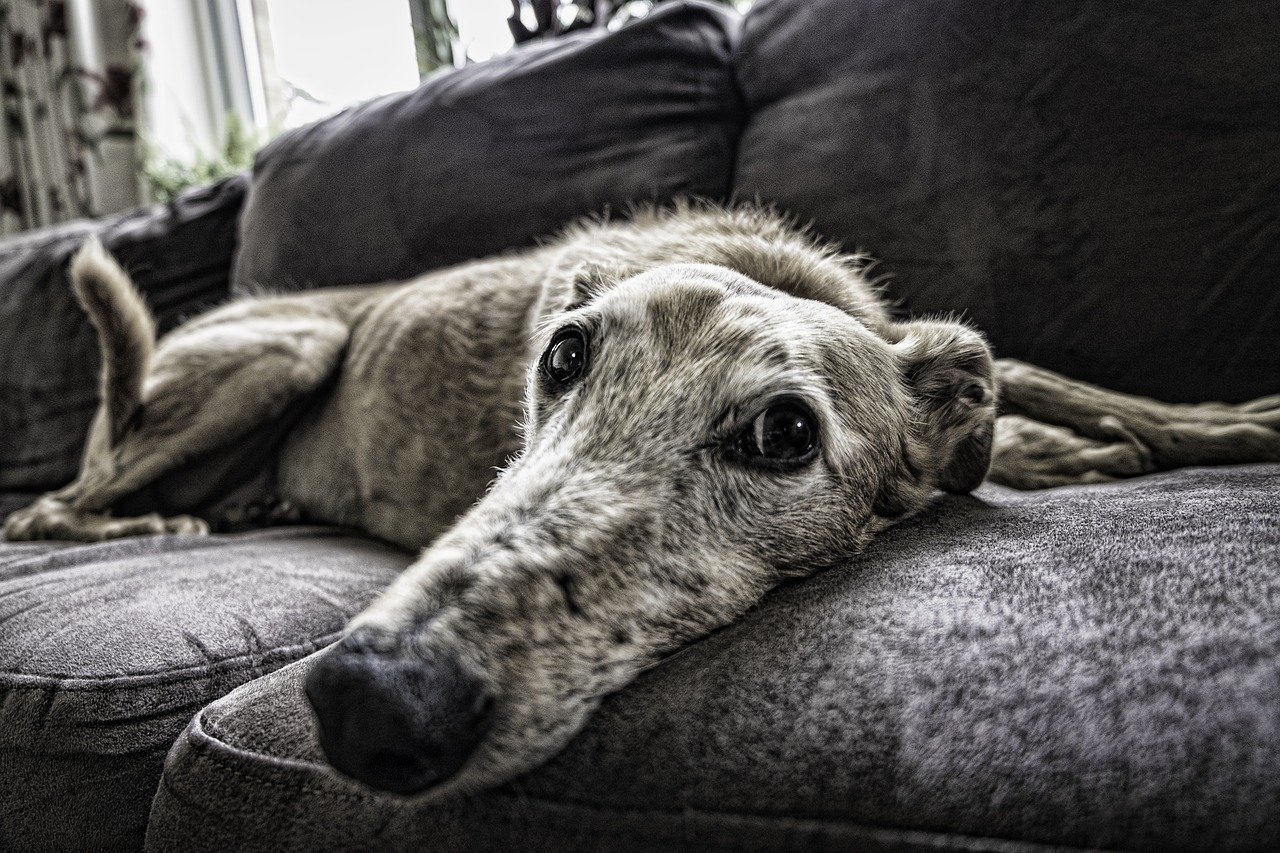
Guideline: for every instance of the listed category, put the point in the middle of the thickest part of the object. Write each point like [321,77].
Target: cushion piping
[229,759]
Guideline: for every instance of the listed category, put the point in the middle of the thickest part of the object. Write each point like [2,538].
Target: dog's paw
[96,528]
[20,526]
[1266,407]
[49,518]
[40,520]
[186,525]
[1218,433]
[1032,455]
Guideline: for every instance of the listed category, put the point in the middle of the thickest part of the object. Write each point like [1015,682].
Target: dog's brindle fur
[618,529]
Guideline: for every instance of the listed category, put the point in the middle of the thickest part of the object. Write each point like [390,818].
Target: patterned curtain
[69,141]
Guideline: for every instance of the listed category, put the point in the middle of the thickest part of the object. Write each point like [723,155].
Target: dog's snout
[397,719]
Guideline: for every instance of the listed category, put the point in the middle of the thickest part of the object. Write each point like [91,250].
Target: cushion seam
[210,748]
[207,748]
[671,818]
[188,543]
[124,681]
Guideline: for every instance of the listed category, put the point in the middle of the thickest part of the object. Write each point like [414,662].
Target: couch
[1093,185]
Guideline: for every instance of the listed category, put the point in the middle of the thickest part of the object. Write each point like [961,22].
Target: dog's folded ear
[947,368]
[571,283]
[591,278]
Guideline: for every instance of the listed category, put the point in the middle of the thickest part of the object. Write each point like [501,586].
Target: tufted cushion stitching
[22,681]
[163,546]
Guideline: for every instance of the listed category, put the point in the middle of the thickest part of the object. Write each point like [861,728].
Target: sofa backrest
[179,256]
[493,156]
[1095,185]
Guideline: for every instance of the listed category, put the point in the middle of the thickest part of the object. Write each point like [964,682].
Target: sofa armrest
[180,257]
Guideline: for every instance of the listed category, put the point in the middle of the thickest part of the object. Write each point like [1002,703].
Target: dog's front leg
[1063,430]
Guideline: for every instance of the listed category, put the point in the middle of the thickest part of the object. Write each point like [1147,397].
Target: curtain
[69,88]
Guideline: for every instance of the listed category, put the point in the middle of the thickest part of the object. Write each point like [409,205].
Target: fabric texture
[1089,666]
[496,155]
[107,650]
[178,254]
[1093,184]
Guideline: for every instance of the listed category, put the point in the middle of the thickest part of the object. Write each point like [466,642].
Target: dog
[686,408]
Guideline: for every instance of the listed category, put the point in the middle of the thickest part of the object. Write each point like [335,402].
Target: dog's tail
[126,330]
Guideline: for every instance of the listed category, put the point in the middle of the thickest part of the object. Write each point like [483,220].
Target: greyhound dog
[686,408]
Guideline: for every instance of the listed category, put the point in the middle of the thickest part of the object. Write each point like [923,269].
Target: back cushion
[492,156]
[179,256]
[1096,185]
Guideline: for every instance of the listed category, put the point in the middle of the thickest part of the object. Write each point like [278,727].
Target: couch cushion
[1091,666]
[1095,184]
[179,256]
[497,154]
[107,650]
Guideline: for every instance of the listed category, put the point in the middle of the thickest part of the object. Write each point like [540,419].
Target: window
[317,57]
[221,68]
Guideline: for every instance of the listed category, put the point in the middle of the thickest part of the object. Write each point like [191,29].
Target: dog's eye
[566,359]
[786,432]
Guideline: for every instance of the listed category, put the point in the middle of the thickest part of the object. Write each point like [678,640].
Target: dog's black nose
[396,719]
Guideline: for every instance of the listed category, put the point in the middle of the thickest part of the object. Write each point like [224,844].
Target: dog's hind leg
[1028,454]
[1056,430]
[208,384]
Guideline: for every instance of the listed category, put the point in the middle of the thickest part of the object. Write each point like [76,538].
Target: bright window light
[331,54]
[482,29]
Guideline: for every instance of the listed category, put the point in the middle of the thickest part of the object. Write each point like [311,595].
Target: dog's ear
[571,284]
[591,278]
[948,371]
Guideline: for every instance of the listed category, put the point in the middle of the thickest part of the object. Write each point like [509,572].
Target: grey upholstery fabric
[180,257]
[492,156]
[1091,666]
[1095,184]
[1092,183]
[107,650]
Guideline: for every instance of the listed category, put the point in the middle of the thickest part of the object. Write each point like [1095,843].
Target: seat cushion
[498,154]
[1095,666]
[107,650]
[1094,184]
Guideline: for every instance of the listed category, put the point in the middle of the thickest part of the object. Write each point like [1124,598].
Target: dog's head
[692,438]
